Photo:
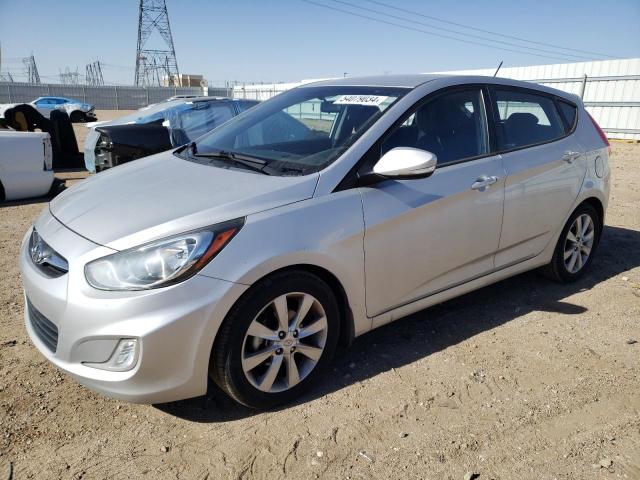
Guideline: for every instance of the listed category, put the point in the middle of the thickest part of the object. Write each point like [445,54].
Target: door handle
[569,156]
[483,182]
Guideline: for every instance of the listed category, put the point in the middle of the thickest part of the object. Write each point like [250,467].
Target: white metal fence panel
[104,98]
[610,89]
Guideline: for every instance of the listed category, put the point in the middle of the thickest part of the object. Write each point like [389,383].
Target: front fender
[325,232]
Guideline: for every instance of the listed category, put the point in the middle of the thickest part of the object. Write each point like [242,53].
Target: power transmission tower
[94,74]
[31,69]
[6,77]
[68,77]
[154,63]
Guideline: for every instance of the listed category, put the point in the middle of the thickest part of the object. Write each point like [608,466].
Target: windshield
[302,130]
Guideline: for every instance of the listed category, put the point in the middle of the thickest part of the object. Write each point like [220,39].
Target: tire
[571,268]
[77,117]
[243,365]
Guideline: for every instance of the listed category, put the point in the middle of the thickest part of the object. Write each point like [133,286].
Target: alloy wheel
[579,243]
[284,342]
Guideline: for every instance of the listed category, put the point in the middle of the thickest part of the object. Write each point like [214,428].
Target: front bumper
[91,116]
[175,326]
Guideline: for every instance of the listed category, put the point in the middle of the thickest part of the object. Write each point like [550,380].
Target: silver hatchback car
[249,254]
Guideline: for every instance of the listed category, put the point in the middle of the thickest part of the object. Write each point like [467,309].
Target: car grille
[45,258]
[46,331]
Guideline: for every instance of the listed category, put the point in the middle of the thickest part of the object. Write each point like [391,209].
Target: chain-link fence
[103,98]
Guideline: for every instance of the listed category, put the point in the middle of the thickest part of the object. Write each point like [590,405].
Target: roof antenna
[498,69]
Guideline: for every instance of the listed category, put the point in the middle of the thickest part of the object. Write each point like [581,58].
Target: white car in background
[26,165]
[78,111]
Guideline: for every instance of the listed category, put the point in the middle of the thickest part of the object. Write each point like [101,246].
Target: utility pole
[154,63]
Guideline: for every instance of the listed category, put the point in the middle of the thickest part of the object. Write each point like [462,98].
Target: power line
[458,32]
[512,37]
[406,27]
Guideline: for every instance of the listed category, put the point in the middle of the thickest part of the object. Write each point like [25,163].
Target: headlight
[161,263]
[103,151]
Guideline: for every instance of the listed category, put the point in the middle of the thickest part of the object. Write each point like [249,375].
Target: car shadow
[27,201]
[438,327]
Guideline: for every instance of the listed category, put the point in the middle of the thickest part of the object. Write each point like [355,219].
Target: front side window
[525,119]
[452,126]
[302,130]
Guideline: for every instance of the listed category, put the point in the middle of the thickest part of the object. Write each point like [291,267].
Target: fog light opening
[123,358]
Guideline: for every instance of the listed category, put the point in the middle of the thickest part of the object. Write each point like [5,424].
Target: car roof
[415,80]
[406,81]
[57,98]
[210,99]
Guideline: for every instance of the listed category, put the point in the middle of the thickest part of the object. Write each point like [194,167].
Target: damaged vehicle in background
[157,128]
[77,110]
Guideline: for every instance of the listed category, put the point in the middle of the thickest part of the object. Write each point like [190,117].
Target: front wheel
[576,246]
[276,340]
[77,117]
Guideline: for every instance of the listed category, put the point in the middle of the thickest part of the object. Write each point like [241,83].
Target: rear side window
[526,119]
[569,113]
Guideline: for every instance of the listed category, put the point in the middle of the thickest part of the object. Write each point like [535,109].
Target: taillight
[603,135]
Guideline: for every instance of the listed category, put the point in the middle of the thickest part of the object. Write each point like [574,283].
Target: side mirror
[405,163]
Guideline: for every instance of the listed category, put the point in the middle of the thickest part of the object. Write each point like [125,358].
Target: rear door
[426,235]
[544,167]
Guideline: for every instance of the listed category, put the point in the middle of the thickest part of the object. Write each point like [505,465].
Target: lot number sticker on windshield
[375,100]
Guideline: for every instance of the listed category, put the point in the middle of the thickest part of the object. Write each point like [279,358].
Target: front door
[423,236]
[45,106]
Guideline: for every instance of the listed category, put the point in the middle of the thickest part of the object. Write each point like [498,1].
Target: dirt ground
[525,379]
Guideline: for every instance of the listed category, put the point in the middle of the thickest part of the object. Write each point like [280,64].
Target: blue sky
[288,40]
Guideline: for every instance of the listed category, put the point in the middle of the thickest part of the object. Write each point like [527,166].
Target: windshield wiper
[253,163]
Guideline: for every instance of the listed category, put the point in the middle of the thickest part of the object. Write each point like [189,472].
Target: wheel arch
[347,325]
[597,205]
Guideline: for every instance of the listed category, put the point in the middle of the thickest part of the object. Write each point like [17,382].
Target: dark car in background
[157,128]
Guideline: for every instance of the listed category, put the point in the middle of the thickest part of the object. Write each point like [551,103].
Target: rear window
[526,119]
[569,113]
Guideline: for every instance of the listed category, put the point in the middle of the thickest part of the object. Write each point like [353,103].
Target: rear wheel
[577,245]
[276,340]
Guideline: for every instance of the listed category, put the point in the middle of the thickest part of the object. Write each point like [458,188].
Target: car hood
[162,195]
